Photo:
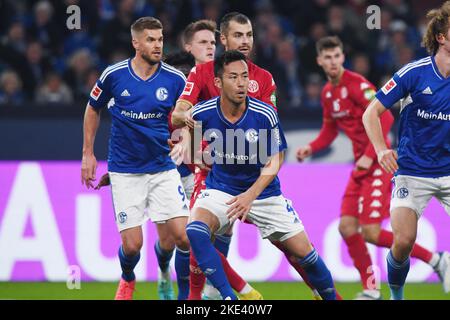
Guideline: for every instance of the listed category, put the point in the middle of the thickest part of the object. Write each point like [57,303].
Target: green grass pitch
[147,290]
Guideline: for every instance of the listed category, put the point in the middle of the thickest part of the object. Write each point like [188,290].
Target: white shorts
[274,216]
[415,192]
[188,185]
[162,194]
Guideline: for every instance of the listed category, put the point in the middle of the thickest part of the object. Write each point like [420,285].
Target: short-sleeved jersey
[200,84]
[424,131]
[139,111]
[345,103]
[241,149]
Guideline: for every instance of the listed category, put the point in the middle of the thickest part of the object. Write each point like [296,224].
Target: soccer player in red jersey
[366,200]
[236,34]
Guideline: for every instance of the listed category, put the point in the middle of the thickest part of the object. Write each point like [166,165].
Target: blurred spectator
[37,66]
[308,53]
[54,90]
[287,73]
[313,90]
[15,38]
[11,89]
[361,65]
[79,64]
[116,33]
[44,29]
[89,81]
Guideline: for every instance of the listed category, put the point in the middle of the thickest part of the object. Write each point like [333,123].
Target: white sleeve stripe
[103,78]
[413,67]
[265,114]
[266,109]
[112,67]
[173,70]
[414,63]
[195,112]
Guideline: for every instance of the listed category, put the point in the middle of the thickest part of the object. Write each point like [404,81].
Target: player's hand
[177,151]
[364,163]
[104,181]
[304,152]
[88,170]
[188,120]
[240,206]
[388,160]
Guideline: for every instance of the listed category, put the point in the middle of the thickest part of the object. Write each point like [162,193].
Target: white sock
[434,260]
[246,289]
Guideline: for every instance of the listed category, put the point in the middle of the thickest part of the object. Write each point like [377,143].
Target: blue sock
[208,259]
[397,272]
[182,269]
[222,243]
[127,264]
[319,275]
[163,257]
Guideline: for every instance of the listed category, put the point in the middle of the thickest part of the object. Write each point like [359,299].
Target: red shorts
[199,185]
[368,195]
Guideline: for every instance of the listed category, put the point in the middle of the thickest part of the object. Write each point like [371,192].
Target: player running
[422,166]
[140,92]
[366,200]
[243,183]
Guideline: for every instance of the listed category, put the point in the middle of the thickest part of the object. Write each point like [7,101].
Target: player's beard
[149,60]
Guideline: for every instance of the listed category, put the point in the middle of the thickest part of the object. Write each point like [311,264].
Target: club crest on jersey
[251,135]
[122,216]
[402,193]
[162,94]
[344,93]
[391,84]
[188,88]
[253,86]
[96,92]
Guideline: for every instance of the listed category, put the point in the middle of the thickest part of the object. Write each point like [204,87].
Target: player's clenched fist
[388,160]
[304,152]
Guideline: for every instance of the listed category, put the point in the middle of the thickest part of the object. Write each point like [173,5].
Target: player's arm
[181,115]
[89,162]
[327,134]
[241,204]
[371,120]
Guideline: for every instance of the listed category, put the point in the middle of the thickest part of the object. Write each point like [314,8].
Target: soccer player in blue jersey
[247,145]
[422,165]
[140,92]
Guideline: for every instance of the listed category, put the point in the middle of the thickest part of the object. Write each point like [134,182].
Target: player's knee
[132,248]
[370,235]
[167,243]
[181,241]
[347,229]
[404,242]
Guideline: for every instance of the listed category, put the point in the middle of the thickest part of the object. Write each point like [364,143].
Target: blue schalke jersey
[139,110]
[424,133]
[241,149]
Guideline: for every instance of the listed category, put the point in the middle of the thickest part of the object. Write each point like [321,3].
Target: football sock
[397,272]
[163,257]
[196,279]
[357,249]
[222,243]
[182,269]
[127,263]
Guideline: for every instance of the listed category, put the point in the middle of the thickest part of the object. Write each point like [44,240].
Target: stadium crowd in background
[44,62]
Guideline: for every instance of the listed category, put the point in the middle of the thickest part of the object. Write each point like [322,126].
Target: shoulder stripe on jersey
[406,70]
[265,108]
[272,123]
[272,117]
[111,68]
[205,103]
[203,109]
[414,63]
[169,68]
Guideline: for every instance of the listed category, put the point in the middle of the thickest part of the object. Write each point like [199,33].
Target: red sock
[196,279]
[386,238]
[361,258]
[236,281]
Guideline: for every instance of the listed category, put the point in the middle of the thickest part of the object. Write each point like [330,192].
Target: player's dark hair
[182,60]
[329,42]
[143,23]
[232,16]
[226,58]
[439,24]
[197,26]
